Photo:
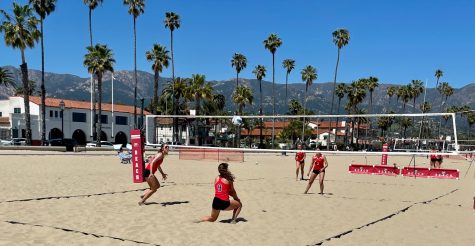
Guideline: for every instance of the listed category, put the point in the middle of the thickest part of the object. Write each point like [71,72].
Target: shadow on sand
[237,220]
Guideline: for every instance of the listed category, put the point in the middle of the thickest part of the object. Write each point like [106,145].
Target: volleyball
[237,121]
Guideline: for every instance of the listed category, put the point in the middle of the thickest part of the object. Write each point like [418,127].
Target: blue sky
[396,41]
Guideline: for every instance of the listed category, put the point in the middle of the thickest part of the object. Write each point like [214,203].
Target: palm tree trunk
[99,116]
[93,85]
[273,95]
[286,81]
[338,113]
[43,90]
[135,76]
[155,103]
[175,100]
[333,96]
[304,113]
[260,113]
[197,105]
[237,84]
[26,97]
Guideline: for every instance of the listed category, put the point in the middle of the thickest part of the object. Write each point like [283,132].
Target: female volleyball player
[319,164]
[299,162]
[223,186]
[435,160]
[149,173]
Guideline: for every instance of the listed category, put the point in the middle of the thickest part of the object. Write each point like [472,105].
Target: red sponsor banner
[360,169]
[422,172]
[138,165]
[440,173]
[384,157]
[386,170]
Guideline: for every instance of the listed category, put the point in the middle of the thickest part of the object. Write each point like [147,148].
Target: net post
[456,146]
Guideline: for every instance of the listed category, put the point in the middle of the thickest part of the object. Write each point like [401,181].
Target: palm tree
[99,60]
[425,108]
[199,89]
[172,22]
[309,74]
[6,78]
[391,91]
[289,65]
[239,61]
[340,93]
[356,93]
[159,56]
[242,96]
[136,7]
[31,89]
[43,8]
[438,73]
[417,87]
[272,43]
[294,107]
[371,84]
[21,32]
[444,90]
[260,72]
[341,37]
[470,121]
[92,4]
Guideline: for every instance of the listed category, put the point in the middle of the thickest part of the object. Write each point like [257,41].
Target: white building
[117,120]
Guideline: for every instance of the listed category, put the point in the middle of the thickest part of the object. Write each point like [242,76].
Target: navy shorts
[219,204]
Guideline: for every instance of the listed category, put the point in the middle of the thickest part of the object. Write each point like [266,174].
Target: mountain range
[318,99]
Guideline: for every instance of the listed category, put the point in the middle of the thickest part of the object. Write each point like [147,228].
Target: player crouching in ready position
[223,185]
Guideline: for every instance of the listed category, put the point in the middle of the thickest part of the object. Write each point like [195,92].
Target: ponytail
[224,172]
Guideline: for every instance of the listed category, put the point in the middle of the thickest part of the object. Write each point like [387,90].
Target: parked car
[18,141]
[103,144]
[5,142]
[68,142]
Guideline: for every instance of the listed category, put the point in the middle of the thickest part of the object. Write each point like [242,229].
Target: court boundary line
[80,232]
[338,236]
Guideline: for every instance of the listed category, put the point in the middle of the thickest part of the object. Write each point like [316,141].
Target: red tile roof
[4,121]
[54,102]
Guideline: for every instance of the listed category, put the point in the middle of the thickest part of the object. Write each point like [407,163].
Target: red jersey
[155,166]
[221,189]
[300,156]
[318,162]
[434,156]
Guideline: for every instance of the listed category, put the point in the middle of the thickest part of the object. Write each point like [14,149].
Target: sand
[83,199]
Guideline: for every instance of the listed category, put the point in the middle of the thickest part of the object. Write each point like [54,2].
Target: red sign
[138,164]
[384,157]
[386,170]
[444,173]
[422,172]
[360,169]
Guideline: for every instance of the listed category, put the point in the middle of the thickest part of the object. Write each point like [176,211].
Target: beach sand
[83,199]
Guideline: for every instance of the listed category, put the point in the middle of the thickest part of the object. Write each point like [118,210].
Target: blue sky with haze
[396,41]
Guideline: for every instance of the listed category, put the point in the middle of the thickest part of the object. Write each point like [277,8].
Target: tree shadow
[237,220]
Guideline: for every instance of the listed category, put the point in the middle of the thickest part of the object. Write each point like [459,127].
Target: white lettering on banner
[137,158]
[136,152]
[136,177]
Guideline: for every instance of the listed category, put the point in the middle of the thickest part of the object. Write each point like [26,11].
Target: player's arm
[326,163]
[232,192]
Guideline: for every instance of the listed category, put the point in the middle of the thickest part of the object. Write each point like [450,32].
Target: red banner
[386,170]
[422,172]
[444,173]
[138,164]
[360,169]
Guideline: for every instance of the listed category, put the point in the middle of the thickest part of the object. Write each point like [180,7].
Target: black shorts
[302,162]
[318,171]
[146,173]
[219,204]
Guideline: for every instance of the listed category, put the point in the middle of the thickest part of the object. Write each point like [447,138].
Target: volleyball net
[228,137]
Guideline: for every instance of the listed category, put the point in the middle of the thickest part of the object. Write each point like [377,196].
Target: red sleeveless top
[155,166]
[318,162]
[300,156]
[221,189]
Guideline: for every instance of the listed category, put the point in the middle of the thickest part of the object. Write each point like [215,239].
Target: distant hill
[319,94]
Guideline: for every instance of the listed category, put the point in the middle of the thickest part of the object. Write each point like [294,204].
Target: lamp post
[61,106]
